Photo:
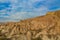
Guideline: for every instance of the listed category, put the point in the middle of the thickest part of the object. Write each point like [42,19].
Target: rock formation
[45,27]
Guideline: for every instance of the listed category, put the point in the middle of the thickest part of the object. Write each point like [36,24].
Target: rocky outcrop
[56,13]
[45,27]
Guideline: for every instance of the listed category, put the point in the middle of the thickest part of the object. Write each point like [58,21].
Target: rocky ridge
[45,27]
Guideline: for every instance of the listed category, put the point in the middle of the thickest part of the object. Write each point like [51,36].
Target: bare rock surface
[45,27]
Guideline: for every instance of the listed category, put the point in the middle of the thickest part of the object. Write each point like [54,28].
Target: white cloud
[24,9]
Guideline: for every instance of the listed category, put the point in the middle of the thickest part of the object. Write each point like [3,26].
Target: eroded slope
[45,27]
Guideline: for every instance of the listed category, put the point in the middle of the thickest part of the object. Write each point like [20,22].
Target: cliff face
[45,27]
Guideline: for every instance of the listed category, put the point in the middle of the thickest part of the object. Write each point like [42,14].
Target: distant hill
[45,27]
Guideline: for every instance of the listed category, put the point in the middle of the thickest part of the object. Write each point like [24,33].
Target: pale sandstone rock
[45,27]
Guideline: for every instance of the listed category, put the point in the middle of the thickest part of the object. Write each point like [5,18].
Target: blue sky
[15,10]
